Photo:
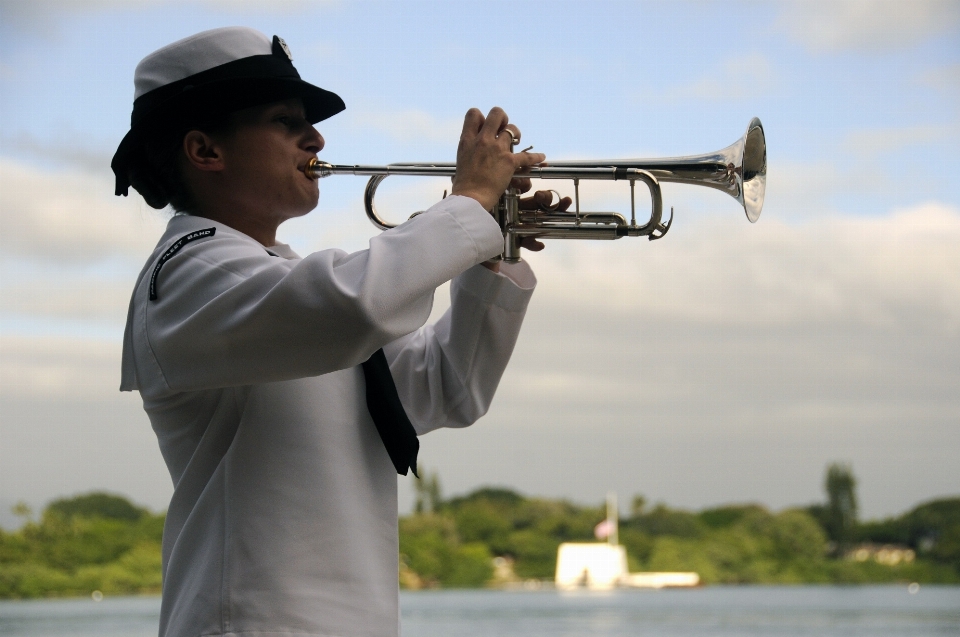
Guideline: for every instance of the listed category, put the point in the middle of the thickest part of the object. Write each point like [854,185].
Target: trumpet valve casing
[507,214]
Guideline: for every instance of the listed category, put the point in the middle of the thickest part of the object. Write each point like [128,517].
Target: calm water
[883,611]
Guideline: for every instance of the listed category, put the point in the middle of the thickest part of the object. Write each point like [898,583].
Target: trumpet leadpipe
[317,169]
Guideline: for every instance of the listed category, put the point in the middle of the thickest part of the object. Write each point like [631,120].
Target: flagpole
[613,519]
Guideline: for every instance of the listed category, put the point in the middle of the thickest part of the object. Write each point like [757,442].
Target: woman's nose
[313,141]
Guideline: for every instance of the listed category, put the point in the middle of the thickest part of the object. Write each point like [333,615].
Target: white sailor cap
[208,74]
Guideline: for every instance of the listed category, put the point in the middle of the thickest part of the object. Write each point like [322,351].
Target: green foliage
[96,505]
[745,545]
[102,542]
[91,542]
[839,518]
[730,544]
[472,566]
[482,522]
[501,499]
[889,531]
[502,523]
[723,517]
[935,529]
[932,529]
[431,549]
[665,521]
[870,572]
[639,547]
[934,516]
[22,510]
[428,492]
[946,548]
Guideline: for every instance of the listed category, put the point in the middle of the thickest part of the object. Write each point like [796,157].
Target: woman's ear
[202,151]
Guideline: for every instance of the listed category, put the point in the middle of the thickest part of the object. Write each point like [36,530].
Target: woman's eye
[291,122]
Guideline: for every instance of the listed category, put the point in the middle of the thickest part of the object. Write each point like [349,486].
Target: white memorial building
[603,565]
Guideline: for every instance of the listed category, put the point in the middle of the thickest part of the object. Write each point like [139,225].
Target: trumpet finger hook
[662,229]
[552,207]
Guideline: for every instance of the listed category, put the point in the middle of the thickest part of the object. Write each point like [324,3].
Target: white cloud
[22,145]
[810,191]
[71,217]
[835,25]
[880,273]
[874,142]
[876,271]
[69,254]
[57,368]
[945,79]
[68,294]
[20,9]
[737,78]
[712,269]
[31,12]
[732,358]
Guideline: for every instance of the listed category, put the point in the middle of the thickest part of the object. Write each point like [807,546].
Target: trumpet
[740,170]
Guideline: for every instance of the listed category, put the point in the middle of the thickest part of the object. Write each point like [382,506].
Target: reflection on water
[829,611]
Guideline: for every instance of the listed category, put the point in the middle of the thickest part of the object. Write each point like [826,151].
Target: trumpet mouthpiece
[316,169]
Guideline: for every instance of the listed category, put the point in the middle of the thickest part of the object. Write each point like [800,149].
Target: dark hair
[155,169]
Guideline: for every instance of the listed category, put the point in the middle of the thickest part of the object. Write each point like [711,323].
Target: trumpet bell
[740,169]
[754,163]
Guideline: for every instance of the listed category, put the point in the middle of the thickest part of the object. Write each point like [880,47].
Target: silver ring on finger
[514,138]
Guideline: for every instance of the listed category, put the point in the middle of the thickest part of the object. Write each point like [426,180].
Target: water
[717,611]
[113,617]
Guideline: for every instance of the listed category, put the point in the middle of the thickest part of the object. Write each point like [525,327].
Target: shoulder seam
[173,250]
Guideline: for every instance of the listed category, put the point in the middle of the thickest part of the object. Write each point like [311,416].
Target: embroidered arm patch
[172,250]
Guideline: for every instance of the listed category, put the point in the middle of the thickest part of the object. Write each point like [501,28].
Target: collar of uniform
[181,224]
[283,251]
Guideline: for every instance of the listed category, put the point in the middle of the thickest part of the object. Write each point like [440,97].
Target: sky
[728,363]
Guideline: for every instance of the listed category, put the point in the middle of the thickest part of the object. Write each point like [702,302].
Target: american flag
[603,530]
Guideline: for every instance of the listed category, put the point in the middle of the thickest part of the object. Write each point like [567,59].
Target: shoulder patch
[172,250]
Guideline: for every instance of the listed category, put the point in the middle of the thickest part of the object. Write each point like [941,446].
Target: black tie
[396,432]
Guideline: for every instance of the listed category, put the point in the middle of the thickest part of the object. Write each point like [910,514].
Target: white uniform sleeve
[446,373]
[229,314]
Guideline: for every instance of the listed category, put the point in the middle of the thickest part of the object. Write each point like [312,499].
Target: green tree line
[91,542]
[452,543]
[103,542]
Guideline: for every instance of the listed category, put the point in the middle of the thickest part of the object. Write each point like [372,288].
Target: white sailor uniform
[284,514]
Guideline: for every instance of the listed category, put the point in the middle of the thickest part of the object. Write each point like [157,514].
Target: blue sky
[729,362]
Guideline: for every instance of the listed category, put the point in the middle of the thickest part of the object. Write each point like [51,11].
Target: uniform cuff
[479,224]
[511,289]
